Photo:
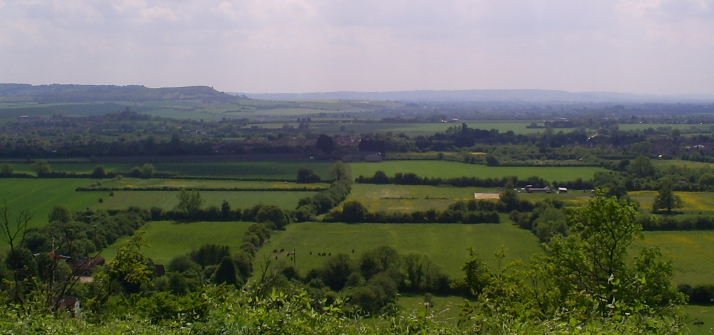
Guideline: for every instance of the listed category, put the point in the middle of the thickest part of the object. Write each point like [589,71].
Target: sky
[296,46]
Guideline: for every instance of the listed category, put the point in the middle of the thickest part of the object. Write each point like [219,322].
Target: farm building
[562,190]
[531,189]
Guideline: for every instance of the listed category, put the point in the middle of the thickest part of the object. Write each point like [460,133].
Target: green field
[666,163]
[244,169]
[445,244]
[168,239]
[383,197]
[445,169]
[168,200]
[704,314]
[198,183]
[413,129]
[41,195]
[692,202]
[691,252]
[697,128]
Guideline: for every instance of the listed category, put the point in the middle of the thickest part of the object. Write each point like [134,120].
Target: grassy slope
[452,169]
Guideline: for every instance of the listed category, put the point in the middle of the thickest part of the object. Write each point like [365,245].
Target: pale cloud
[644,46]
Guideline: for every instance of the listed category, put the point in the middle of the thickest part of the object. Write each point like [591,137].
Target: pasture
[446,169]
[691,252]
[205,184]
[408,198]
[168,200]
[236,169]
[693,202]
[695,128]
[704,314]
[445,244]
[41,195]
[167,239]
[663,164]
[413,129]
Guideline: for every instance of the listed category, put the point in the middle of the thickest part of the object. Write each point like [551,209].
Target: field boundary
[207,189]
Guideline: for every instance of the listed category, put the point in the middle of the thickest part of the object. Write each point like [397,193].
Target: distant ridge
[541,96]
[98,93]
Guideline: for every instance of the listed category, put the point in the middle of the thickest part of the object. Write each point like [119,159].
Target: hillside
[57,93]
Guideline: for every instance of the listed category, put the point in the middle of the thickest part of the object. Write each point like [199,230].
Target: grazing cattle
[283,249]
[275,251]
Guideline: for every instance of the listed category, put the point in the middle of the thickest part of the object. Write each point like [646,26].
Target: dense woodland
[585,279]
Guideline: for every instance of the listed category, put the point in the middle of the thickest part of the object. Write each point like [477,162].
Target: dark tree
[225,211]
[354,211]
[41,167]
[666,199]
[641,167]
[60,213]
[226,273]
[324,143]
[491,160]
[6,170]
[99,172]
[306,176]
[336,271]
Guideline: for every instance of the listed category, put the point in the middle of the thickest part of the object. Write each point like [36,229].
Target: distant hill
[100,93]
[484,96]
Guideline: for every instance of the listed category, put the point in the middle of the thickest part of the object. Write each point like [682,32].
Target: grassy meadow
[696,128]
[445,244]
[691,252]
[408,198]
[238,169]
[692,202]
[170,239]
[41,195]
[446,169]
[666,163]
[206,184]
[168,200]
[413,129]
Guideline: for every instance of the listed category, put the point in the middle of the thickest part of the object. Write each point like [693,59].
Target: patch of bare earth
[486,195]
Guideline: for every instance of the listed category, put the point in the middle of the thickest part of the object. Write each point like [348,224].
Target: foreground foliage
[220,310]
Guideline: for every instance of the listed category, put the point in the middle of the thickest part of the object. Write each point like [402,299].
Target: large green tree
[41,167]
[641,167]
[591,265]
[666,199]
[189,201]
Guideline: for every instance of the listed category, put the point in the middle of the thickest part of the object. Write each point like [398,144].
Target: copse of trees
[83,233]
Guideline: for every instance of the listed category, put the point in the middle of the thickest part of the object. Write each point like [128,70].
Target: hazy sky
[639,46]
